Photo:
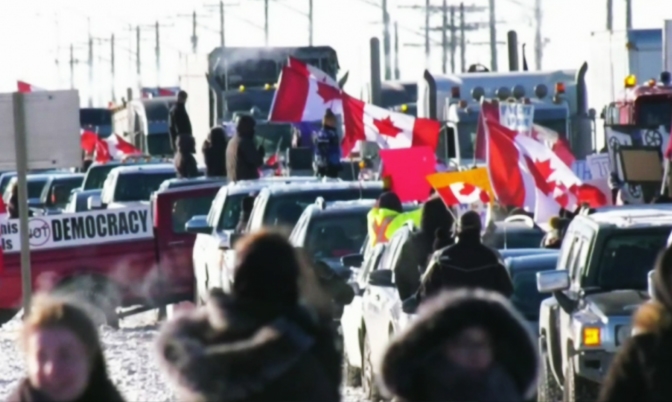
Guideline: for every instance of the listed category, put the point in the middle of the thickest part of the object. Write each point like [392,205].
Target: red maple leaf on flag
[386,127]
[541,171]
[327,92]
[467,189]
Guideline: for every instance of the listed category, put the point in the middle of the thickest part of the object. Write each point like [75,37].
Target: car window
[285,209]
[627,259]
[296,237]
[336,235]
[577,252]
[567,251]
[185,209]
[257,219]
[58,193]
[96,175]
[139,186]
[582,260]
[230,216]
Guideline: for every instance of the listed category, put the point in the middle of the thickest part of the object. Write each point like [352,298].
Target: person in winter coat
[243,159]
[257,344]
[387,216]
[553,239]
[466,345]
[327,157]
[178,120]
[185,162]
[642,368]
[468,263]
[417,249]
[64,358]
[13,203]
[214,153]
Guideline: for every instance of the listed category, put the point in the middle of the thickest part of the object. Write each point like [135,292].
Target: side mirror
[94,202]
[552,281]
[381,277]
[198,225]
[650,282]
[352,260]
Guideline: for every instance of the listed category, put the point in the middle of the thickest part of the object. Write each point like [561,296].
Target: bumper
[593,364]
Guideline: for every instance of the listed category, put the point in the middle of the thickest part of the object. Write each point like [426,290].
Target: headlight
[623,332]
[592,336]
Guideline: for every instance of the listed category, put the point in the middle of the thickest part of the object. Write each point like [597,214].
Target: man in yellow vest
[387,216]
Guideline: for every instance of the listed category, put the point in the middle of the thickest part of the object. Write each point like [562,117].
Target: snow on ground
[130,359]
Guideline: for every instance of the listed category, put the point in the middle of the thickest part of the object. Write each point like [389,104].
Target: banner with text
[78,229]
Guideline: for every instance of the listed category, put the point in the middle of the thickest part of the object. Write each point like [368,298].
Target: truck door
[174,244]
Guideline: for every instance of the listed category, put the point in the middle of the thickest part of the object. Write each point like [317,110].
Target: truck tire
[547,389]
[577,388]
[369,385]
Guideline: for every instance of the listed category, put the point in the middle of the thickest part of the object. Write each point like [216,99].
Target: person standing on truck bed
[243,159]
[178,119]
[214,153]
[328,148]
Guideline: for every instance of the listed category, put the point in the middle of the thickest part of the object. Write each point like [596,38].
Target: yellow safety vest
[383,223]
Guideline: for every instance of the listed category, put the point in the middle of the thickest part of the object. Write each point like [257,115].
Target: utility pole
[222,21]
[266,22]
[157,51]
[628,14]
[493,36]
[427,48]
[538,40]
[453,39]
[610,16]
[463,45]
[194,36]
[72,66]
[310,22]
[138,63]
[90,65]
[112,70]
[386,42]
[444,38]
[397,72]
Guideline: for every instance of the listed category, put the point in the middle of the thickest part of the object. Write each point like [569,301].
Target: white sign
[516,116]
[52,130]
[599,166]
[581,170]
[78,229]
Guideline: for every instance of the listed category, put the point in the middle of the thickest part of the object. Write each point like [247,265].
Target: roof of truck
[634,217]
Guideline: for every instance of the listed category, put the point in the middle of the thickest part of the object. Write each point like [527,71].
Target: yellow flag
[476,177]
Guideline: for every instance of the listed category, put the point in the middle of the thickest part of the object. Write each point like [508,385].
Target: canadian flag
[366,122]
[113,147]
[525,173]
[553,140]
[304,93]
[25,87]
[463,193]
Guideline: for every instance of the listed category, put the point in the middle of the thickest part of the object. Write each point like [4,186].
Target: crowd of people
[272,337]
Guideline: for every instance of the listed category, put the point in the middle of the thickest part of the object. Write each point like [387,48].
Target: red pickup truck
[137,256]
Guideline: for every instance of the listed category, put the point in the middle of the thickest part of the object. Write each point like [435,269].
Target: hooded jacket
[231,350]
[413,368]
[642,368]
[243,159]
[387,217]
[466,264]
[214,153]
[185,162]
[419,246]
[99,389]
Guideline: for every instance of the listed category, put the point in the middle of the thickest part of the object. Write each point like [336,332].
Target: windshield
[58,193]
[336,235]
[466,134]
[158,144]
[628,258]
[139,186]
[285,209]
[96,175]
[654,112]
[250,72]
[557,125]
[245,101]
[95,117]
[158,110]
[233,205]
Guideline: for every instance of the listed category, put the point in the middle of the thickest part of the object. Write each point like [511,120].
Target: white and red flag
[304,93]
[525,173]
[367,122]
[25,87]
[113,147]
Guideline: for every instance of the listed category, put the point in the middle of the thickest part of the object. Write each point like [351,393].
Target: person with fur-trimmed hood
[642,368]
[185,162]
[259,343]
[465,345]
[214,152]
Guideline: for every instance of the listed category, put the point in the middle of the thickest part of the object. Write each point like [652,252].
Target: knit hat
[329,119]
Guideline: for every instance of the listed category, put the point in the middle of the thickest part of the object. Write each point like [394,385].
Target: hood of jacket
[446,315]
[230,350]
[435,216]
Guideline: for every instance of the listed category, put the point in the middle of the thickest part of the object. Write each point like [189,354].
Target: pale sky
[31,35]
